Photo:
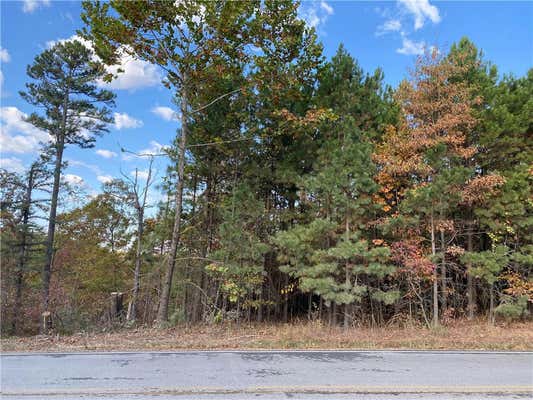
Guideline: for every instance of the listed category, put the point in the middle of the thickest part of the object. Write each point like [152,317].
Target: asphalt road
[269,375]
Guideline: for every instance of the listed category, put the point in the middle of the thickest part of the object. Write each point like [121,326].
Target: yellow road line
[282,389]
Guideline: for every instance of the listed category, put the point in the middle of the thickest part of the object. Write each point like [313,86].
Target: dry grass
[313,335]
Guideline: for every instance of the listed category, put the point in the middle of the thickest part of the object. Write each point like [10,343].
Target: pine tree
[75,111]
[429,149]
[330,255]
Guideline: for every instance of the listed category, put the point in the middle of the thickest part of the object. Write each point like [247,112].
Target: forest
[297,187]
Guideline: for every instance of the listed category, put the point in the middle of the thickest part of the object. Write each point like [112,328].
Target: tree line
[297,187]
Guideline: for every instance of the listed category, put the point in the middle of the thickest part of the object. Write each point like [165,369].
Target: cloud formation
[154,148]
[316,13]
[167,113]
[17,135]
[72,179]
[124,121]
[136,74]
[410,47]
[106,153]
[396,23]
[4,55]
[104,178]
[12,164]
[421,10]
[141,174]
[29,6]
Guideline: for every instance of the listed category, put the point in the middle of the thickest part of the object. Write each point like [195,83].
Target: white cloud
[106,153]
[391,25]
[30,6]
[315,13]
[124,121]
[421,10]
[12,164]
[141,174]
[17,135]
[326,7]
[136,73]
[167,113]
[104,178]
[4,55]
[153,149]
[91,167]
[72,179]
[396,22]
[410,47]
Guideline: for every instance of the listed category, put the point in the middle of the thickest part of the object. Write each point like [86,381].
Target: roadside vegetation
[298,335]
[298,188]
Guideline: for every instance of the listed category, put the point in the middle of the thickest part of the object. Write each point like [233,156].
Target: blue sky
[378,34]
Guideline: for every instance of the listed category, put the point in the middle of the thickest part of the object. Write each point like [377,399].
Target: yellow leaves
[518,286]
[445,226]
[386,208]
[493,237]
[216,267]
[455,251]
[312,117]
[480,188]
[378,199]
[288,289]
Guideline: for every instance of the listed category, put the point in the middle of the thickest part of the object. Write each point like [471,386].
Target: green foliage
[509,216]
[488,264]
[302,175]
[239,262]
[512,308]
[64,87]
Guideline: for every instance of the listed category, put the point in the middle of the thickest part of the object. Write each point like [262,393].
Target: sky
[388,35]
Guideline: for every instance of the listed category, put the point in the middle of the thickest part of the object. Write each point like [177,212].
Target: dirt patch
[461,335]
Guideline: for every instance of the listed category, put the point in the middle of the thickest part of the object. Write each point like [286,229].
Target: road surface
[268,375]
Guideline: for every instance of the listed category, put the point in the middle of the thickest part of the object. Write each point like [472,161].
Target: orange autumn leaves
[433,136]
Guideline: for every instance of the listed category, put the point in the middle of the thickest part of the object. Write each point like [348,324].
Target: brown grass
[460,335]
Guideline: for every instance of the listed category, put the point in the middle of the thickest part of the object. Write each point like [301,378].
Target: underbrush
[459,334]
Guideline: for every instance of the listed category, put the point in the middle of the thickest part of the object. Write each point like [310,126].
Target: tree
[93,259]
[132,192]
[19,208]
[183,38]
[332,255]
[239,261]
[75,111]
[429,149]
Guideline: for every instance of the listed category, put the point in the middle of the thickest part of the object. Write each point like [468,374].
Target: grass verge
[460,335]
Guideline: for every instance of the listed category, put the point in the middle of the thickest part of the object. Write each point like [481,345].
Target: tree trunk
[435,277]
[260,305]
[132,309]
[309,306]
[60,145]
[19,279]
[286,298]
[444,304]
[470,279]
[116,305]
[347,278]
[491,304]
[162,313]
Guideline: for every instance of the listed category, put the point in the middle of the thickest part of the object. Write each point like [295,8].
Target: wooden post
[117,305]
[46,322]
